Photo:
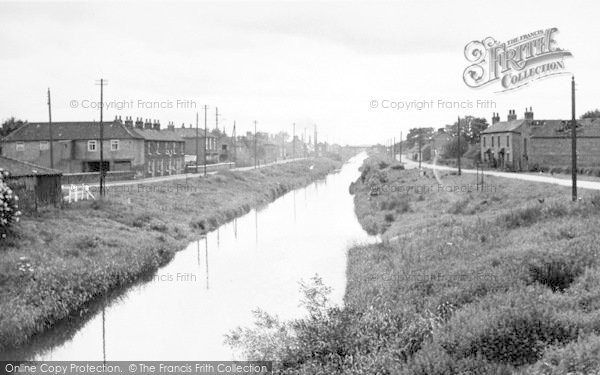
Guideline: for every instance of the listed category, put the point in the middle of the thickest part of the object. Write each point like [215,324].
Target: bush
[521,217]
[506,328]
[554,270]
[580,357]
[9,208]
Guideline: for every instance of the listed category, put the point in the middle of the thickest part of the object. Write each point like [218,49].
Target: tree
[451,148]
[470,127]
[10,125]
[412,138]
[591,114]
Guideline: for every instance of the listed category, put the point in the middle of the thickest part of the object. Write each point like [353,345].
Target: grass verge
[58,262]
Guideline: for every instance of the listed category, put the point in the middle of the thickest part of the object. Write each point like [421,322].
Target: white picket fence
[79,193]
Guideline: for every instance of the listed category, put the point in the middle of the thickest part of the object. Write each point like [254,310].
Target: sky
[319,63]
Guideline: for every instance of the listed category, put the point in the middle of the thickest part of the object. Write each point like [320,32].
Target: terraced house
[140,148]
[529,144]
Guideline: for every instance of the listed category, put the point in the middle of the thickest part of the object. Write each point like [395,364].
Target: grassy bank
[504,280]
[57,263]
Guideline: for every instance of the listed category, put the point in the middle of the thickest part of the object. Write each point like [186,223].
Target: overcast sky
[309,62]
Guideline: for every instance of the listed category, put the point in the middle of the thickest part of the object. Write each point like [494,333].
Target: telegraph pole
[217,118]
[205,136]
[50,130]
[102,84]
[420,142]
[458,154]
[573,141]
[294,141]
[316,143]
[255,147]
[234,140]
[400,146]
[394,149]
[197,142]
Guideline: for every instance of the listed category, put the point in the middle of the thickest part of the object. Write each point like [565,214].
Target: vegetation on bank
[500,280]
[56,264]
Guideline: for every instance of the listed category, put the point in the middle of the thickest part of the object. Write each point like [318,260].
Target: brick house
[505,144]
[76,147]
[524,144]
[191,139]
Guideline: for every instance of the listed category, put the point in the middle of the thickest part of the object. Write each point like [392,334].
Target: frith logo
[514,63]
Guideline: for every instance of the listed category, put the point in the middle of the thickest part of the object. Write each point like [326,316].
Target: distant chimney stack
[529,114]
[148,124]
[171,126]
[128,121]
[512,115]
[495,117]
[139,124]
[156,125]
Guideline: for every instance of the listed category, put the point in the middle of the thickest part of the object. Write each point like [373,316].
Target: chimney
[148,124]
[512,115]
[495,117]
[139,124]
[529,114]
[171,126]
[156,125]
[128,121]
[190,126]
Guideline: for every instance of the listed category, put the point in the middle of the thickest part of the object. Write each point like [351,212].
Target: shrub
[521,217]
[554,270]
[9,208]
[506,328]
[579,357]
[458,206]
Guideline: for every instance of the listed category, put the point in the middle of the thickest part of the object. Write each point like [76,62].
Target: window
[492,141]
[114,145]
[499,141]
[157,145]
[507,141]
[20,146]
[483,142]
[91,146]
[44,145]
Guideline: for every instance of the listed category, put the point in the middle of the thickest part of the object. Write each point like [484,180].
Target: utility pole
[316,143]
[394,149]
[197,142]
[400,144]
[458,154]
[304,142]
[102,84]
[255,147]
[420,142]
[573,141]
[205,136]
[294,141]
[234,145]
[217,118]
[50,130]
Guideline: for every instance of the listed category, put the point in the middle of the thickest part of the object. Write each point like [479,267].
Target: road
[592,185]
[153,180]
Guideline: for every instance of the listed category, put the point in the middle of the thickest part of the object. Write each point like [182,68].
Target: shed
[34,185]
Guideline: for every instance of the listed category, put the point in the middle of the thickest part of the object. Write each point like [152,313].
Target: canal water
[211,287]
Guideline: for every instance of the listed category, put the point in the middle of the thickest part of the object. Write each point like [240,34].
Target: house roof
[158,135]
[561,128]
[504,126]
[38,131]
[17,168]
[188,132]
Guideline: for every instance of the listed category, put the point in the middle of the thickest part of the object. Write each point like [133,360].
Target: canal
[183,311]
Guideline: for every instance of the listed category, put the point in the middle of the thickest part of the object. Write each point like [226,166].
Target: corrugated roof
[36,131]
[504,126]
[17,168]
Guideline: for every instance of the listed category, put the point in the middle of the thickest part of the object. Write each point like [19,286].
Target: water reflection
[183,311]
